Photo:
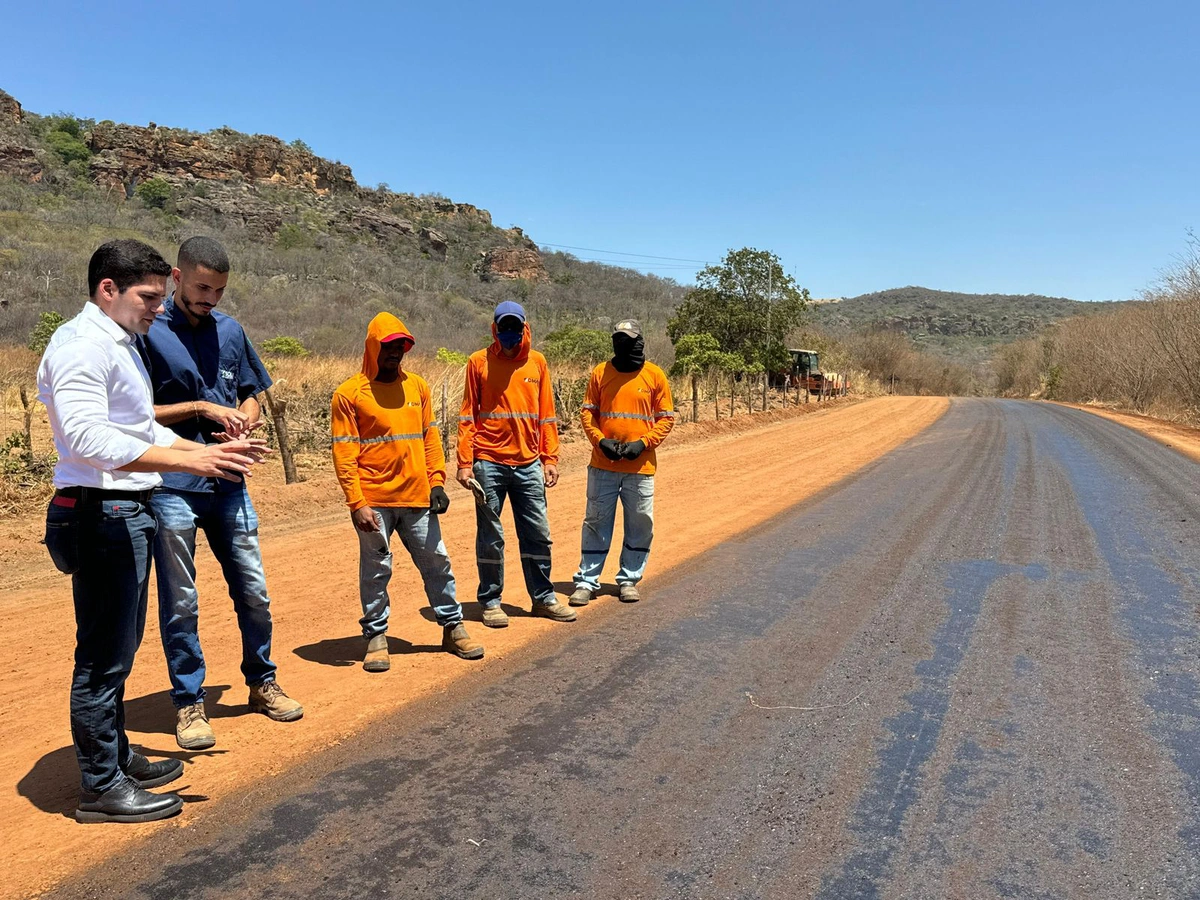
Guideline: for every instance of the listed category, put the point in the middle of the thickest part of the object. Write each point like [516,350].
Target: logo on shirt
[533,381]
[227,374]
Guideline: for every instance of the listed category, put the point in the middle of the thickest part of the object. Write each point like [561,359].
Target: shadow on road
[348,651]
[52,785]
[155,714]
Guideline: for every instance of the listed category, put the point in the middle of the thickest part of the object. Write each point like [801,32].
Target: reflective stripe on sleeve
[625,415]
[665,414]
[508,415]
[384,439]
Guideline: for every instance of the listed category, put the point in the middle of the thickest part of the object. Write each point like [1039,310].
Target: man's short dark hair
[203,251]
[126,262]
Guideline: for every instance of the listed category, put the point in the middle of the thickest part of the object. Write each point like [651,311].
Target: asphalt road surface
[969,671]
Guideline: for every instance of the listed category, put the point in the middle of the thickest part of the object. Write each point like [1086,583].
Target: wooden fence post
[717,397]
[732,392]
[445,424]
[277,408]
[766,381]
[695,400]
[27,407]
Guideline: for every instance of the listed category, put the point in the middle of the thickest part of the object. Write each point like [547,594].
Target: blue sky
[1019,147]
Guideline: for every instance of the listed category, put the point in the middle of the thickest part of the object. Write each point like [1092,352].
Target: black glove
[438,501]
[610,448]
[633,449]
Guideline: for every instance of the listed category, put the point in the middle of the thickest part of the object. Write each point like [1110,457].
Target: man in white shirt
[99,528]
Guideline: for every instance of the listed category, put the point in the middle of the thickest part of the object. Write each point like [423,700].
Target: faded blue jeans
[636,493]
[105,546]
[526,487]
[421,534]
[230,524]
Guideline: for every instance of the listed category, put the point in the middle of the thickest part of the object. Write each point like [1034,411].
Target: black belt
[94,495]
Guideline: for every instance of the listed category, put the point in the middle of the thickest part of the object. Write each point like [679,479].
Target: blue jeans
[421,534]
[106,547]
[231,526]
[636,493]
[526,486]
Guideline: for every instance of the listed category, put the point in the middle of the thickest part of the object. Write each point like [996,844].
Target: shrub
[283,346]
[292,237]
[573,344]
[452,357]
[154,192]
[69,147]
[47,324]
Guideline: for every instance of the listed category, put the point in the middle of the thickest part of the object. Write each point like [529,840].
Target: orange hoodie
[627,406]
[507,413]
[386,447]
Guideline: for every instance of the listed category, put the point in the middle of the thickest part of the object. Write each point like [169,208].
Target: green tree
[283,346]
[47,324]
[68,146]
[452,357]
[748,303]
[573,344]
[154,192]
[700,354]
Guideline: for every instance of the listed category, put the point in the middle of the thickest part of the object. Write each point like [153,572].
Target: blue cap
[509,308]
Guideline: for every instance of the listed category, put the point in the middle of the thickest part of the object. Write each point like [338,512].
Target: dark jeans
[107,545]
[230,524]
[526,487]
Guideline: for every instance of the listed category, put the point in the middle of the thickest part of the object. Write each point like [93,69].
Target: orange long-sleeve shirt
[627,406]
[386,447]
[507,413]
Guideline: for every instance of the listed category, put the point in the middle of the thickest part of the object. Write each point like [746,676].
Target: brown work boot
[456,640]
[495,617]
[269,699]
[192,731]
[628,593]
[377,659]
[555,611]
[581,597]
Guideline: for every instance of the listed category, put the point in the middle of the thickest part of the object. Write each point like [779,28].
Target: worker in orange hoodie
[627,412]
[389,461]
[508,447]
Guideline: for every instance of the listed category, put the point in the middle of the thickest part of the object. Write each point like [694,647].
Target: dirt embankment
[714,483]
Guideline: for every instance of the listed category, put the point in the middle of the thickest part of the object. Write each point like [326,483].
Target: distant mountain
[964,327]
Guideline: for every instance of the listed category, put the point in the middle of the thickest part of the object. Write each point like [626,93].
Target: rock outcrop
[19,161]
[124,153]
[10,110]
[511,263]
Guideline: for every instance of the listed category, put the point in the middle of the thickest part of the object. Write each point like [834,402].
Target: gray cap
[631,327]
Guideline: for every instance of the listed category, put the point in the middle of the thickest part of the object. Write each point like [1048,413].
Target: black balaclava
[629,354]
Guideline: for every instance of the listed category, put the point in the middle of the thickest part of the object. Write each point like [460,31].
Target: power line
[703,262]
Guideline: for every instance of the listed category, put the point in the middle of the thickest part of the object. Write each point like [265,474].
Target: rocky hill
[964,327]
[303,233]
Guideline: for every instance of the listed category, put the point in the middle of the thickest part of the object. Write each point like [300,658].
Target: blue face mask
[509,339]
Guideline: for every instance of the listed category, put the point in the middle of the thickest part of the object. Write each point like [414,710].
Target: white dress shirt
[96,388]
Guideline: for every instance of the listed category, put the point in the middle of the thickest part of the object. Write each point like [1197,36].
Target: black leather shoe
[127,803]
[152,774]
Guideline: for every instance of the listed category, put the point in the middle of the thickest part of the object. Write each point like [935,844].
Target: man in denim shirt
[205,376]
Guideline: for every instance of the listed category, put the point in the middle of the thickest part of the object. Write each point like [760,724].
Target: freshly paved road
[982,654]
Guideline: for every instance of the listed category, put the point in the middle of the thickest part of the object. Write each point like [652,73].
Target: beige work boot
[377,659]
[456,640]
[495,617]
[581,597]
[192,731]
[269,699]
[628,593]
[555,611]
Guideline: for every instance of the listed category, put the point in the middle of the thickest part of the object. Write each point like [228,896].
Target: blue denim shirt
[213,361]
